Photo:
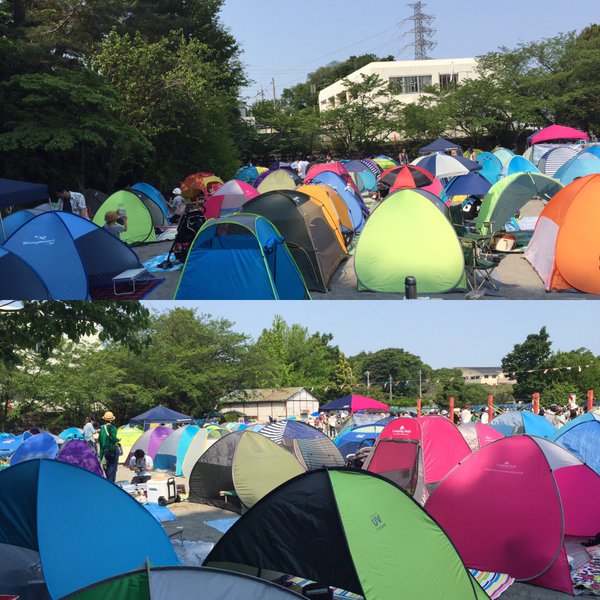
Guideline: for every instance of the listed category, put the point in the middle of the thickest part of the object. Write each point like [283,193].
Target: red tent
[557,132]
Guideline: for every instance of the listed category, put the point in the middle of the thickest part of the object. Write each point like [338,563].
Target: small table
[130,276]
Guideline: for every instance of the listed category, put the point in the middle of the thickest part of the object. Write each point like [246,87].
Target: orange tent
[320,197]
[565,248]
[199,185]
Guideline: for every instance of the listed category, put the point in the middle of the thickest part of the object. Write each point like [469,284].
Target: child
[112,222]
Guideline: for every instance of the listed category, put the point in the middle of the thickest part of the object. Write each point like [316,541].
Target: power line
[422,31]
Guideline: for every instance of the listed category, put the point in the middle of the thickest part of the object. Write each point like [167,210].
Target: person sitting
[141,464]
[115,223]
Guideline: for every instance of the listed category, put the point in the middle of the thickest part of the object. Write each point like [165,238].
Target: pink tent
[479,434]
[356,403]
[228,198]
[508,507]
[337,168]
[557,132]
[417,453]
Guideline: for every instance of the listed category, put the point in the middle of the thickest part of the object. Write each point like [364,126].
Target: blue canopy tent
[46,507]
[13,193]
[440,145]
[160,414]
[70,254]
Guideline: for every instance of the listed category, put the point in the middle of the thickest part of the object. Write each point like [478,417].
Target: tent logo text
[39,239]
[506,465]
[377,522]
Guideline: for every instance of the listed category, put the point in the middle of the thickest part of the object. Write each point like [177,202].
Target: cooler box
[162,492]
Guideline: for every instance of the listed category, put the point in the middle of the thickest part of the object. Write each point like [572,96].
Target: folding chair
[478,264]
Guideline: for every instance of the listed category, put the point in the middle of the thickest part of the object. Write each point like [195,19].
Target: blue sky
[442,333]
[287,40]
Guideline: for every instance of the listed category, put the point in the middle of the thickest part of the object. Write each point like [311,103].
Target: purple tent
[150,442]
[80,454]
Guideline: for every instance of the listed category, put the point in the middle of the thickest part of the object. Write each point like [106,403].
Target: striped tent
[554,159]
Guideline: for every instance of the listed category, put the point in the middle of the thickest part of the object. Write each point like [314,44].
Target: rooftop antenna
[422,31]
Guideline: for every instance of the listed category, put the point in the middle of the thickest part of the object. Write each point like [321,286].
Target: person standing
[332,421]
[109,450]
[88,433]
[572,406]
[403,157]
[71,202]
[465,415]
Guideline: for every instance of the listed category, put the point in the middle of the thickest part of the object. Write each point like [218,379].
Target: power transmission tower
[422,31]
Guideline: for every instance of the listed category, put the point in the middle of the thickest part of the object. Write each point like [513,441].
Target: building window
[447,80]
[410,85]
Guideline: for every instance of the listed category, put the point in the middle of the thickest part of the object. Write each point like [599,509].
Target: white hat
[177,191]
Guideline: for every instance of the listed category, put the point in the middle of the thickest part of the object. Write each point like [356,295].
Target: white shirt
[485,417]
[77,204]
[465,416]
[146,464]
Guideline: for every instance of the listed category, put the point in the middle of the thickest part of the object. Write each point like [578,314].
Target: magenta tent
[509,507]
[356,403]
[337,168]
[150,441]
[228,198]
[417,453]
[479,434]
[557,132]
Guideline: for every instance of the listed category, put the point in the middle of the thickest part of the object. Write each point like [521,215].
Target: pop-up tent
[69,254]
[249,174]
[557,132]
[127,437]
[174,583]
[80,454]
[240,257]
[579,166]
[311,447]
[509,195]
[71,433]
[279,179]
[508,507]
[158,211]
[355,403]
[408,235]
[337,168]
[417,453]
[491,166]
[327,195]
[519,164]
[351,440]
[154,194]
[160,414]
[564,248]
[13,221]
[352,530]
[478,434]
[140,227]
[150,441]
[41,445]
[240,469]
[200,443]
[581,436]
[46,505]
[9,444]
[554,159]
[228,198]
[172,451]
[313,243]
[517,422]
[19,280]
[504,155]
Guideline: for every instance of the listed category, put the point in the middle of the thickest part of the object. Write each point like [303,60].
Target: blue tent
[473,184]
[19,280]
[579,166]
[440,145]
[353,439]
[491,166]
[519,164]
[154,195]
[240,257]
[13,221]
[160,414]
[9,444]
[72,433]
[522,421]
[50,512]
[41,445]
[581,436]
[69,254]
[353,201]
[172,451]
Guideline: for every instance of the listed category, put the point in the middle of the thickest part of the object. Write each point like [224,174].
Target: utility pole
[421,31]
[274,96]
[391,385]
[368,374]
[420,384]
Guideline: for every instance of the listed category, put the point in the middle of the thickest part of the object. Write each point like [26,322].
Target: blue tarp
[581,436]
[20,192]
[51,508]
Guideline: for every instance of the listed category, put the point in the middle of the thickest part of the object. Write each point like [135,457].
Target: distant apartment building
[410,78]
[485,375]
[277,403]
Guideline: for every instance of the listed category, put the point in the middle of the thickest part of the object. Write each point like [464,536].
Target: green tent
[509,195]
[246,466]
[409,235]
[140,227]
[352,530]
[174,583]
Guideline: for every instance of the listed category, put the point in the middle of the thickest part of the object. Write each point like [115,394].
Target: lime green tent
[244,464]
[140,227]
[128,436]
[352,530]
[409,235]
[509,195]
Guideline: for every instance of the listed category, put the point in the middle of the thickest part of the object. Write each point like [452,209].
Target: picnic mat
[221,525]
[160,513]
[152,264]
[142,289]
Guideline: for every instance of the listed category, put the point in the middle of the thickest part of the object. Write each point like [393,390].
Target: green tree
[369,117]
[526,363]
